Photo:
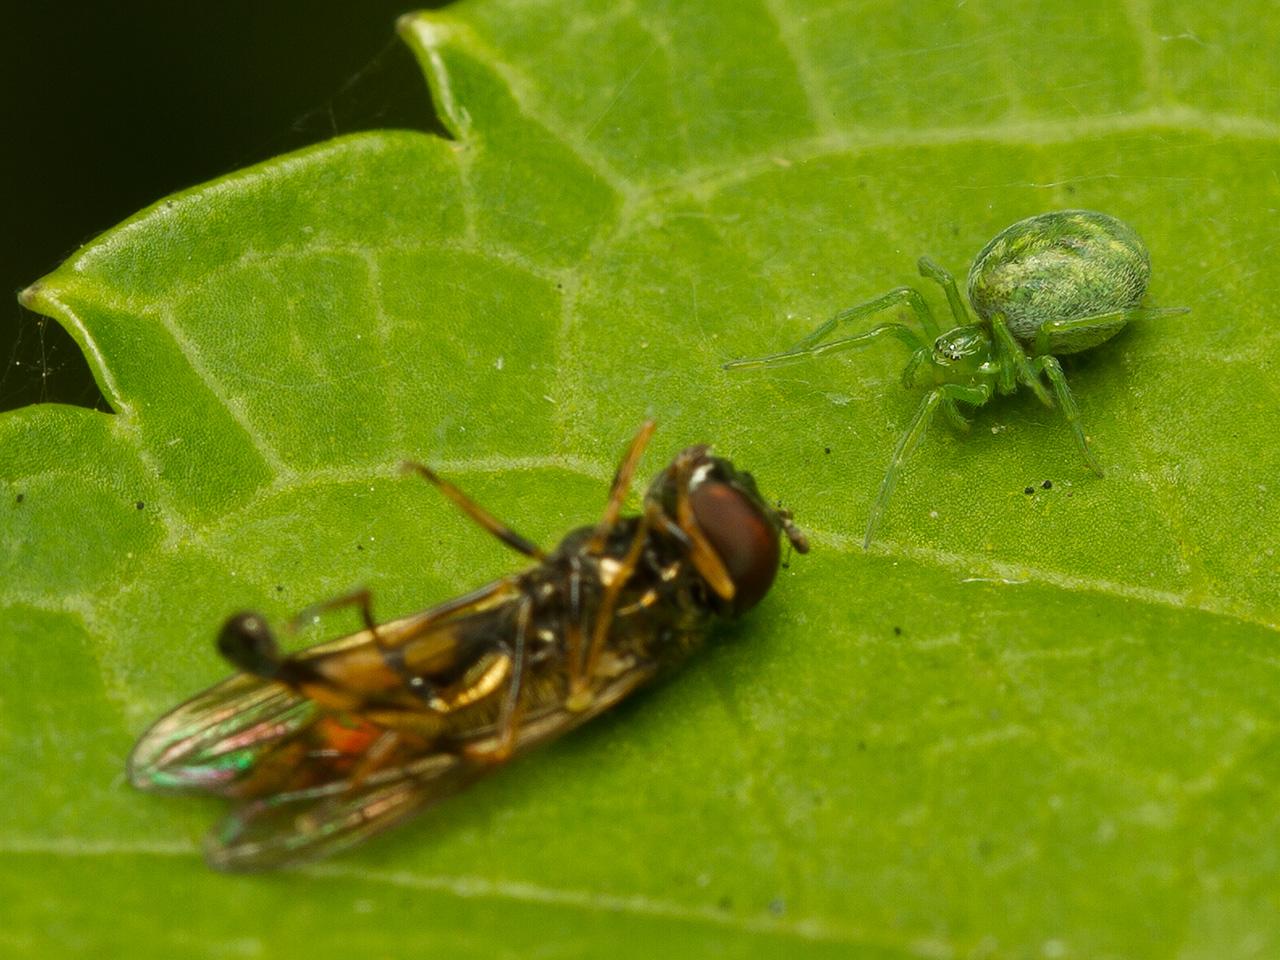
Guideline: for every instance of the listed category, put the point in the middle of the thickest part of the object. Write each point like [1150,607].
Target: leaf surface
[1022,725]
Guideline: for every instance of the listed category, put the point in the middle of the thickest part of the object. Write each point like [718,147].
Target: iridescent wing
[307,824]
[311,780]
[220,739]
[304,825]
[213,741]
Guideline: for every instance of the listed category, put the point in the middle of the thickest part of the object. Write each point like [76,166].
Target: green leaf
[1020,726]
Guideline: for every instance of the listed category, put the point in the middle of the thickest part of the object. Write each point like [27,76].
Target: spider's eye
[741,535]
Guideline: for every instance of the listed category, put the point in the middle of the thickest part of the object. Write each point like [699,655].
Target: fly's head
[731,535]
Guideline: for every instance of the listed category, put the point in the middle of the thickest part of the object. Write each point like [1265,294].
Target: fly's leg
[1053,370]
[249,644]
[705,559]
[476,512]
[582,672]
[620,486]
[940,396]
[575,633]
[361,598]
[378,754]
[508,722]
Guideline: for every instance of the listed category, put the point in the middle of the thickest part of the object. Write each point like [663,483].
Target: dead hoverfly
[323,748]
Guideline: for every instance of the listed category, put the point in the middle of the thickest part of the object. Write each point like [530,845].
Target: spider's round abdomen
[1060,266]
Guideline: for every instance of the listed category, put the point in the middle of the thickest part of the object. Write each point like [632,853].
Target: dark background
[109,107]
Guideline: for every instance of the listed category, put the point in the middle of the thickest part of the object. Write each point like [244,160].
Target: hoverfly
[319,749]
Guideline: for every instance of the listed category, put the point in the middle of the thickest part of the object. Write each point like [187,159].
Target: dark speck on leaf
[19,498]
[279,588]
[139,504]
[1029,491]
[1047,485]
[897,631]
[826,449]
[359,546]
[725,903]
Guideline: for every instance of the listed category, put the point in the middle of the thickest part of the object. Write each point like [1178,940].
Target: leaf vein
[1013,574]
[807,75]
[713,178]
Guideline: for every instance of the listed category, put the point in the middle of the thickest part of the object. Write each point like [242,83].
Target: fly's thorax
[1058,266]
[575,575]
[573,557]
[961,355]
[660,609]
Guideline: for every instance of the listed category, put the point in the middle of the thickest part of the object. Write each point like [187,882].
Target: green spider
[1052,284]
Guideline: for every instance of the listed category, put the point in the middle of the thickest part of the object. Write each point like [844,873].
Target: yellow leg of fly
[621,485]
[574,636]
[704,557]
[580,679]
[476,512]
[508,722]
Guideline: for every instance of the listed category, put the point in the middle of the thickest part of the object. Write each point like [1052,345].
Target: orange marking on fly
[346,734]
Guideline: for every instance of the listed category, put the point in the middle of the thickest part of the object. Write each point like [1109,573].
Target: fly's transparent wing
[289,829]
[214,740]
[239,737]
[293,827]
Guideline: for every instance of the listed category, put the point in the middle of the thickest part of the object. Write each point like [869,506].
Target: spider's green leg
[894,298]
[908,442]
[942,276]
[805,348]
[1081,333]
[958,419]
[973,394]
[1053,370]
[918,357]
[946,394]
[1014,365]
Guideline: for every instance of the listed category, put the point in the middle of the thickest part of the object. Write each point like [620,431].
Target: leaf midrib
[478,888]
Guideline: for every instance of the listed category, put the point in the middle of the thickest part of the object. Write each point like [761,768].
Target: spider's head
[960,354]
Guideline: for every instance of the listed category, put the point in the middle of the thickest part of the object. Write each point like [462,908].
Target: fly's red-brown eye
[741,535]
